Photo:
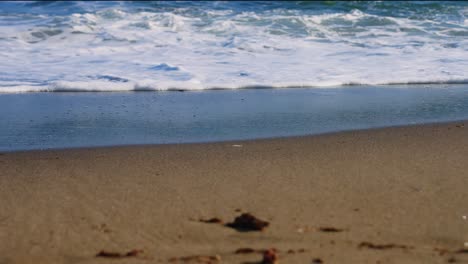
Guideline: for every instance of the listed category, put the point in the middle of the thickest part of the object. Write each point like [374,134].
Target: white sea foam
[120,49]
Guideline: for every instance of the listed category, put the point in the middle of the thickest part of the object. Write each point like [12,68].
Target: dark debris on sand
[213,220]
[110,254]
[270,256]
[317,261]
[381,246]
[330,229]
[292,251]
[462,251]
[247,222]
[247,251]
[197,259]
[451,260]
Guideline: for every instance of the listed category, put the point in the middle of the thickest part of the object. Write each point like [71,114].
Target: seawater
[61,120]
[337,66]
[140,46]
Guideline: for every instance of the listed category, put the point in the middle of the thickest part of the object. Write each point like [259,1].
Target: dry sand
[400,193]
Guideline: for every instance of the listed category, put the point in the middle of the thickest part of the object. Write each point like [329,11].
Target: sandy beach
[392,195]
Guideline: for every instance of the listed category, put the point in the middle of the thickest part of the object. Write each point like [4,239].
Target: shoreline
[392,195]
[428,84]
[324,134]
[57,121]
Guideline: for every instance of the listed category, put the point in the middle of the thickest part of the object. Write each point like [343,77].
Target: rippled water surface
[60,120]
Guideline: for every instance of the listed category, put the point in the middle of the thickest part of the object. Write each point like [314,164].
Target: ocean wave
[109,86]
[217,45]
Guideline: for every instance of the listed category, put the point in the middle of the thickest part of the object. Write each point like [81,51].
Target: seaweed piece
[292,251]
[247,222]
[110,254]
[270,256]
[330,229]
[381,246]
[134,253]
[213,220]
[198,259]
[245,251]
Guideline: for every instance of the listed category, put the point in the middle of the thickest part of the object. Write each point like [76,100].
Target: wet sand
[393,195]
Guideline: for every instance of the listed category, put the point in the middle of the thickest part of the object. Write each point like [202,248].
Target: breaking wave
[145,46]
